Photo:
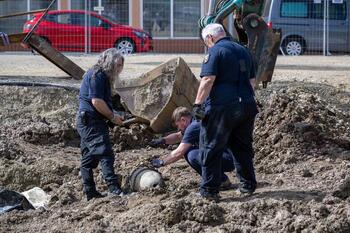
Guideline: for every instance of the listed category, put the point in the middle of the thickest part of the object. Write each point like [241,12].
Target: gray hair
[214,29]
[107,61]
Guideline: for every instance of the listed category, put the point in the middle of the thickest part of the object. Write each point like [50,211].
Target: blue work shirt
[191,134]
[94,87]
[233,66]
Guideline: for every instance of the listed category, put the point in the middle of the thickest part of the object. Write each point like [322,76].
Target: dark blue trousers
[227,127]
[95,147]
[194,160]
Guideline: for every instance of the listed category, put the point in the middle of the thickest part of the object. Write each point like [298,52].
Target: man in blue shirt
[188,136]
[225,102]
[95,109]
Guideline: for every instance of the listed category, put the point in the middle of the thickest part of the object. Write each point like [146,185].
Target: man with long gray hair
[95,109]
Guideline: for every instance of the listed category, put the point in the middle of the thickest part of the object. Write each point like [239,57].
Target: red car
[65,30]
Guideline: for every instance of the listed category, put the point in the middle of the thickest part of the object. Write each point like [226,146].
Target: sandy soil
[302,144]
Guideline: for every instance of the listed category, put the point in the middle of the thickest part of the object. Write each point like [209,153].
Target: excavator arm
[252,31]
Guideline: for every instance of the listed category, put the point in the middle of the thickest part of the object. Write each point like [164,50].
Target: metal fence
[94,25]
[308,26]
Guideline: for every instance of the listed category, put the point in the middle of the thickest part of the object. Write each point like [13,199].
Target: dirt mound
[296,124]
[132,137]
[9,149]
[302,161]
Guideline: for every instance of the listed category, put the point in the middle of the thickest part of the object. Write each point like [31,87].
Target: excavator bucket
[153,96]
[264,45]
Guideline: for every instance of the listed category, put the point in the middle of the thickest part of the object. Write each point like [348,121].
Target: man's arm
[102,108]
[173,138]
[168,140]
[204,88]
[177,154]
[174,156]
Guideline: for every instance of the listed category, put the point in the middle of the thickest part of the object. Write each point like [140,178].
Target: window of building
[186,15]
[77,5]
[115,10]
[294,9]
[156,17]
[41,4]
[171,18]
[15,24]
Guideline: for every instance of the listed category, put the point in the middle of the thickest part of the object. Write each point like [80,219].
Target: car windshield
[110,17]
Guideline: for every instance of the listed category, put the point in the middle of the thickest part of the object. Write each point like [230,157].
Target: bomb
[143,178]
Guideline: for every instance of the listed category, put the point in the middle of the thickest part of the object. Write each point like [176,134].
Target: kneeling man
[188,136]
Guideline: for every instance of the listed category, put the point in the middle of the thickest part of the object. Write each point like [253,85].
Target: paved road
[332,70]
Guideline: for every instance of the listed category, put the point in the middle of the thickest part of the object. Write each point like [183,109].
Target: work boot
[209,196]
[246,189]
[93,194]
[115,191]
[225,185]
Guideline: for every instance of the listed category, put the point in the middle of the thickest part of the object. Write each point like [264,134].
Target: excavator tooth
[264,45]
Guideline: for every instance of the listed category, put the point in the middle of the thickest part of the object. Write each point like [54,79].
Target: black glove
[157,142]
[157,163]
[110,124]
[198,112]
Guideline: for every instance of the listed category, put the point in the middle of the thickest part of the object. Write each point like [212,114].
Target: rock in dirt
[343,190]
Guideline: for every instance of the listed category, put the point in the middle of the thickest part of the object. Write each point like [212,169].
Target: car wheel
[125,46]
[293,47]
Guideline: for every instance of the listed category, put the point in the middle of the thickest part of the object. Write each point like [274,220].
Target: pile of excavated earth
[302,160]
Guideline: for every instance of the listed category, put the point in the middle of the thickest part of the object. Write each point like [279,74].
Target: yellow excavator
[152,97]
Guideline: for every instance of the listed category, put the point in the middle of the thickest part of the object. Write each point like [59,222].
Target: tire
[125,46]
[294,47]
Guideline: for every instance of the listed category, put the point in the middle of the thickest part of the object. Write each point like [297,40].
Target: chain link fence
[95,25]
[170,26]
[311,26]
